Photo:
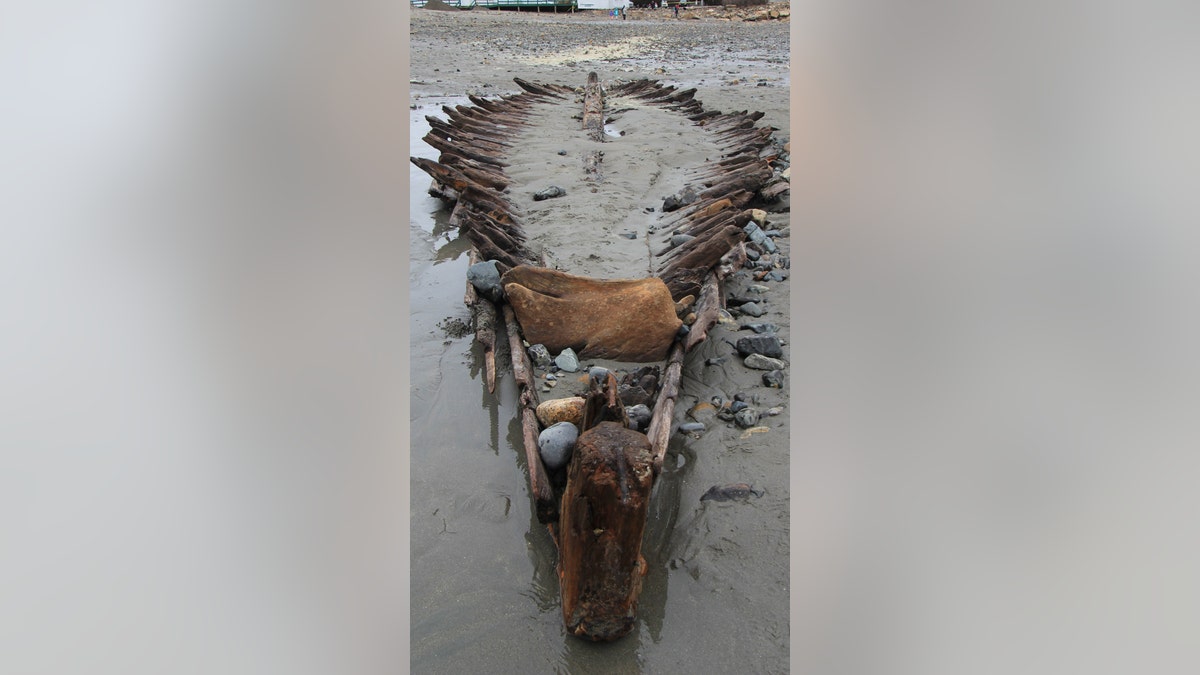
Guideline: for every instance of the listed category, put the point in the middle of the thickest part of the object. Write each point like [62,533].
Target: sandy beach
[484,591]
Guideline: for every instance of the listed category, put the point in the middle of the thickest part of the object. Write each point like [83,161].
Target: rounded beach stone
[760,362]
[485,277]
[556,443]
[558,410]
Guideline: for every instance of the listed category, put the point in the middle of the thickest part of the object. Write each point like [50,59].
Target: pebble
[563,153]
[681,239]
[629,235]
[725,318]
[771,412]
[764,327]
[639,416]
[485,277]
[759,288]
[714,361]
[776,275]
[767,345]
[760,362]
[555,444]
[752,254]
[691,427]
[758,216]
[753,309]
[549,193]
[746,418]
[540,356]
[558,410]
[738,406]
[567,360]
[773,379]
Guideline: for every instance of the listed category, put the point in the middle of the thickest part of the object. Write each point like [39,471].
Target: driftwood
[539,484]
[604,511]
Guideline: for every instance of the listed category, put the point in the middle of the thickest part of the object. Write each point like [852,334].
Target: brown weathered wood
[593,108]
[483,315]
[604,510]
[708,307]
[710,252]
[775,189]
[536,88]
[539,484]
[603,404]
[661,419]
[683,281]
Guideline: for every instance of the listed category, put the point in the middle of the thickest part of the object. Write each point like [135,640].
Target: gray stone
[691,427]
[760,362]
[567,360]
[549,193]
[767,345]
[764,327]
[755,233]
[628,235]
[639,416]
[485,277]
[556,443]
[773,379]
[776,275]
[752,309]
[746,418]
[681,239]
[752,254]
[540,356]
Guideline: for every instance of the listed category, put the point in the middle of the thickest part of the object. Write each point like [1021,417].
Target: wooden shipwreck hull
[596,507]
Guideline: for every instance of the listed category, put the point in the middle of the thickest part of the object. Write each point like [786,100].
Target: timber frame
[598,518]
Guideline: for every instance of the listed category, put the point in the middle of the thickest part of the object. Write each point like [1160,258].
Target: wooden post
[603,517]
[593,108]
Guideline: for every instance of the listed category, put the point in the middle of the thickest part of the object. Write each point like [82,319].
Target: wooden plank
[539,483]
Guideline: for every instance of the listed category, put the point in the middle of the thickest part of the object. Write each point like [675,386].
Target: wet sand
[484,591]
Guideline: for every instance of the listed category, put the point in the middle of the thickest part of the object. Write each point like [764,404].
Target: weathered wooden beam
[593,108]
[662,418]
[604,509]
[707,254]
[708,307]
[539,484]
[536,88]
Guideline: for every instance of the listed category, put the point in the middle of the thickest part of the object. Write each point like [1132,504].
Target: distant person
[676,8]
[623,17]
